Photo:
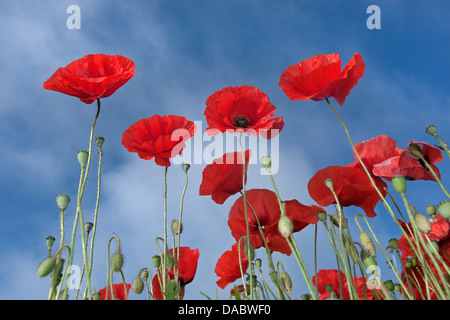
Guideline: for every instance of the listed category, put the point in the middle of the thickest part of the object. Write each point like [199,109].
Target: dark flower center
[241,122]
[423,163]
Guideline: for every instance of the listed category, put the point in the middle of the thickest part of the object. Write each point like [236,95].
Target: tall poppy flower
[351,185]
[339,286]
[410,166]
[320,77]
[92,77]
[264,204]
[228,267]
[118,290]
[244,108]
[159,137]
[224,176]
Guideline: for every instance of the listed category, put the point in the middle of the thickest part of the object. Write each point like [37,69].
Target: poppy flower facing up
[159,137]
[320,77]
[228,268]
[118,290]
[244,108]
[408,165]
[351,185]
[92,77]
[223,177]
[267,209]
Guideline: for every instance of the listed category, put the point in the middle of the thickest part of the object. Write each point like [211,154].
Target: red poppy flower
[228,268]
[223,177]
[338,281]
[92,77]
[320,77]
[244,108]
[440,232]
[118,290]
[410,166]
[159,137]
[267,209]
[375,150]
[351,185]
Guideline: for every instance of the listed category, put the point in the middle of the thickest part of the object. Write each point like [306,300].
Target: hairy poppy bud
[368,244]
[351,250]
[82,157]
[46,267]
[156,260]
[336,219]
[138,285]
[444,209]
[422,222]
[285,226]
[266,162]
[117,262]
[399,184]
[177,227]
[286,281]
[62,201]
[431,129]
[144,274]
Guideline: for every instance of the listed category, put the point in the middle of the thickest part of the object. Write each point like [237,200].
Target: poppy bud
[266,162]
[415,150]
[431,129]
[286,281]
[329,183]
[393,243]
[432,246]
[253,279]
[285,226]
[422,222]
[57,274]
[117,262]
[398,287]
[305,296]
[88,226]
[399,184]
[156,260]
[351,250]
[185,167]
[46,267]
[50,240]
[177,227]
[369,261]
[389,285]
[322,215]
[99,141]
[62,201]
[389,249]
[258,263]
[444,209]
[138,285]
[249,251]
[82,157]
[144,274]
[431,209]
[169,260]
[336,220]
[368,244]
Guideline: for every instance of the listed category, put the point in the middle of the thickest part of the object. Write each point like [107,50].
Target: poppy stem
[108,273]
[250,264]
[164,260]
[434,175]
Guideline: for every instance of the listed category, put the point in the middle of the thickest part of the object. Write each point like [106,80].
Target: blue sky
[185,50]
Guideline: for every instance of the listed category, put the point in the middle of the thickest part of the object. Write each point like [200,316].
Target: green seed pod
[82,157]
[431,129]
[305,296]
[97,295]
[431,209]
[286,281]
[156,260]
[99,141]
[389,285]
[329,183]
[368,259]
[144,274]
[329,288]
[88,226]
[415,150]
[266,162]
[258,263]
[432,246]
[444,209]
[57,273]
[117,262]
[393,243]
[399,184]
[185,167]
[336,220]
[50,240]
[367,243]
[62,201]
[285,226]
[422,222]
[46,267]
[177,227]
[322,215]
[138,285]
